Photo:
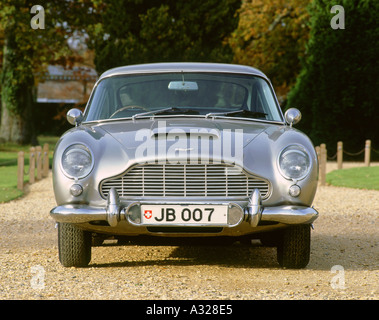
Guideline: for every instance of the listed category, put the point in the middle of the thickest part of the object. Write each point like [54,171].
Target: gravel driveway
[344,259]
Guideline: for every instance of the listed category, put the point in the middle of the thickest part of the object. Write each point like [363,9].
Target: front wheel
[74,245]
[294,249]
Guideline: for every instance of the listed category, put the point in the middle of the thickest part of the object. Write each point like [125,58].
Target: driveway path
[344,259]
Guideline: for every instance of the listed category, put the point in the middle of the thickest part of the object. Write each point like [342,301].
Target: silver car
[184,153]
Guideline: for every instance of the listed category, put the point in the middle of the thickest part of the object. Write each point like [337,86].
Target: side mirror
[292,116]
[74,116]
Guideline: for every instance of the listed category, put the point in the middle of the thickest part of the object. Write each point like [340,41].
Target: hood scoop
[163,129]
[188,132]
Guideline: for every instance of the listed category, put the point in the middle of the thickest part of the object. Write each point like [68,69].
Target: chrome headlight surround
[294,162]
[77,161]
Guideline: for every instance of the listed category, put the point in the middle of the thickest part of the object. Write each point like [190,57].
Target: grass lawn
[359,178]
[8,166]
[8,183]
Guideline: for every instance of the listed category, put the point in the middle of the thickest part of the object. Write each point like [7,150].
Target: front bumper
[253,212]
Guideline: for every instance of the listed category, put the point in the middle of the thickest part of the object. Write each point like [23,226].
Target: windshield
[195,94]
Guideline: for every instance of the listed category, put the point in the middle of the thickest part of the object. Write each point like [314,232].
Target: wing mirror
[292,116]
[74,116]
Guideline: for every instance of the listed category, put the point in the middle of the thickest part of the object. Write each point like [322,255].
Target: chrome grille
[185,180]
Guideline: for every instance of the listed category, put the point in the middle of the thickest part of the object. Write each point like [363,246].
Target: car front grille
[185,180]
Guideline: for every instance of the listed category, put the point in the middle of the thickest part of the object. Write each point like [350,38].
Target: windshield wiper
[172,110]
[175,110]
[242,113]
[150,112]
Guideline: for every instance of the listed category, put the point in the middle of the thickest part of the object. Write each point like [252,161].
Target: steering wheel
[128,107]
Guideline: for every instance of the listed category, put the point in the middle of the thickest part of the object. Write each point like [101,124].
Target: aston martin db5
[184,152]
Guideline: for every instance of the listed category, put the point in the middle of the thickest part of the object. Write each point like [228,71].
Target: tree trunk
[10,126]
[18,128]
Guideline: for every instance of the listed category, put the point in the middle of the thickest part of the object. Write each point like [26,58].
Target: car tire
[293,251]
[74,245]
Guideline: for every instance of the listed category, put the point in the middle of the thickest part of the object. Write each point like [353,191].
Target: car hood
[132,134]
[191,139]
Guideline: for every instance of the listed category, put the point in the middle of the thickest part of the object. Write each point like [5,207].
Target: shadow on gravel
[237,256]
[352,251]
[242,256]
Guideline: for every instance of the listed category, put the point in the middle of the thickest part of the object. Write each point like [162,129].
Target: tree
[271,36]
[336,90]
[33,38]
[140,31]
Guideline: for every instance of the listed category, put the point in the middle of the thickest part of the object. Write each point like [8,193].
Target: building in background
[59,90]
[60,85]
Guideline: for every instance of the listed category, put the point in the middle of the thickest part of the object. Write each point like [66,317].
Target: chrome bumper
[253,213]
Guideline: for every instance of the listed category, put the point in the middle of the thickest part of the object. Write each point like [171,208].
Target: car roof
[183,67]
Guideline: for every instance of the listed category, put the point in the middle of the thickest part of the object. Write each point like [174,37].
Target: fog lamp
[294,190]
[76,190]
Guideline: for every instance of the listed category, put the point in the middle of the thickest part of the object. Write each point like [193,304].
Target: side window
[257,104]
[104,105]
[100,103]
[263,101]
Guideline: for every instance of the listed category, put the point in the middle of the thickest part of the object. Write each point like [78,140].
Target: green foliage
[140,31]
[26,55]
[17,71]
[28,51]
[336,90]
[271,36]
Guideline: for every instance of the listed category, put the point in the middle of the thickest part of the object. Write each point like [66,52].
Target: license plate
[211,215]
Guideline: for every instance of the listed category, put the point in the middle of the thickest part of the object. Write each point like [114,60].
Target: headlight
[77,161]
[294,162]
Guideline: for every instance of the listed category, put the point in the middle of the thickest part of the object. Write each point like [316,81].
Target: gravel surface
[344,259]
